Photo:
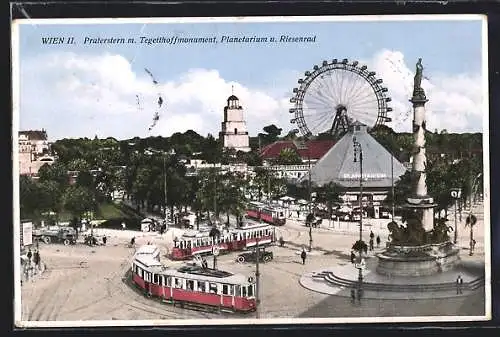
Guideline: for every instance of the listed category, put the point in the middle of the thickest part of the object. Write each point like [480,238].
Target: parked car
[251,256]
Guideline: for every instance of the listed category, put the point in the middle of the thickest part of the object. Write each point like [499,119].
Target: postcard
[255,170]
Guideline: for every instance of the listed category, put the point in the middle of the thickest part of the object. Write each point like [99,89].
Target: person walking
[104,239]
[36,259]
[303,256]
[371,244]
[353,296]
[132,241]
[460,283]
[282,242]
[29,255]
[378,241]
[372,236]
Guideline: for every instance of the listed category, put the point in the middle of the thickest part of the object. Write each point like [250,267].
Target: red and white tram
[238,239]
[192,284]
[274,215]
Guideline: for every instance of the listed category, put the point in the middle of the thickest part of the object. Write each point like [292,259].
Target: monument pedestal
[418,260]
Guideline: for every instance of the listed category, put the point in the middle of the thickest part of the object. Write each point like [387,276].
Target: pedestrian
[132,241]
[360,295]
[372,236]
[36,259]
[460,282]
[371,244]
[282,241]
[378,241]
[124,226]
[353,296]
[303,256]
[353,256]
[29,255]
[104,239]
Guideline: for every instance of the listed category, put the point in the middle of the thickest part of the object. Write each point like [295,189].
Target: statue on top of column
[418,91]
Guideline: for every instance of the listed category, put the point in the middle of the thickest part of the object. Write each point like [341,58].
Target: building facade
[34,151]
[234,133]
[340,166]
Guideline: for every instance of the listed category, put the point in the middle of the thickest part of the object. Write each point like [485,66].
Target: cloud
[76,95]
[455,101]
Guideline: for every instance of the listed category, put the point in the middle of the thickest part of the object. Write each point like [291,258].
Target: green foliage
[288,156]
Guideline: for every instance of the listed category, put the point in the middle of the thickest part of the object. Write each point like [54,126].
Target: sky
[83,90]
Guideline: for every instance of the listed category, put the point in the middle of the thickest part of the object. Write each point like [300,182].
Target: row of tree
[151,171]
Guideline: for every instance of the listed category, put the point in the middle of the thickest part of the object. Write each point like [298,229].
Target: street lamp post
[455,194]
[309,194]
[257,279]
[165,184]
[358,152]
[392,184]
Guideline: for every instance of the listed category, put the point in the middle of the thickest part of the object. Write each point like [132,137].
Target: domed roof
[233,98]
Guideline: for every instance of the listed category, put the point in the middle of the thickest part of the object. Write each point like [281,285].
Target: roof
[147,249]
[338,164]
[35,134]
[315,149]
[233,98]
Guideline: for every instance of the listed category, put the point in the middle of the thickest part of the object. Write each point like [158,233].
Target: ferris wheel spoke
[323,90]
[330,82]
[329,89]
[318,97]
[318,120]
[364,100]
[357,85]
[321,122]
[368,94]
[368,108]
[316,114]
[361,91]
[362,112]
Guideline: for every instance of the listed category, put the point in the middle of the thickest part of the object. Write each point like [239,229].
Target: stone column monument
[419,247]
[419,198]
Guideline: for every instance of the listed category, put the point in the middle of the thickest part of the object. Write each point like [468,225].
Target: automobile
[251,256]
[56,234]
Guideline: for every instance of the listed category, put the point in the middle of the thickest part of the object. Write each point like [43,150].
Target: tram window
[201,286]
[190,285]
[212,288]
[225,289]
[178,283]
[244,291]
[155,279]
[237,290]
[168,281]
[250,290]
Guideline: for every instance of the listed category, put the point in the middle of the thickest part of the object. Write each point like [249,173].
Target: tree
[288,156]
[78,200]
[329,194]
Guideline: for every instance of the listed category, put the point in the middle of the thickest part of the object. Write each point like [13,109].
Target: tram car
[239,239]
[193,285]
[270,214]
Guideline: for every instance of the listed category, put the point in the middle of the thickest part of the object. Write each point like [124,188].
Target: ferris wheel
[334,95]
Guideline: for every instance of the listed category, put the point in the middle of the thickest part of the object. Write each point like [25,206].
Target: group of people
[33,263]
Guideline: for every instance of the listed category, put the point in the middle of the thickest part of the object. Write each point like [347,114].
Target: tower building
[234,132]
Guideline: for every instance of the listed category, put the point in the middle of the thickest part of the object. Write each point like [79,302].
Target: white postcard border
[247,321]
